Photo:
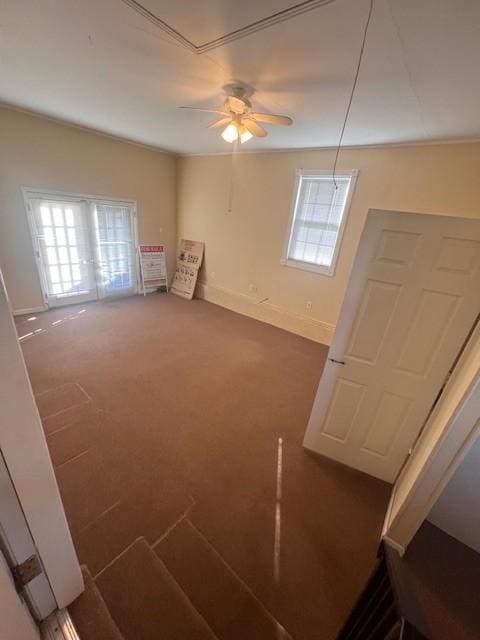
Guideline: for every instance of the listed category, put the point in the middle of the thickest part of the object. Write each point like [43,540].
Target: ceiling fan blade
[235,104]
[272,118]
[220,112]
[220,123]
[254,128]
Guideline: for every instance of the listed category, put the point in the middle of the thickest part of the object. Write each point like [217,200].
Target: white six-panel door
[413,296]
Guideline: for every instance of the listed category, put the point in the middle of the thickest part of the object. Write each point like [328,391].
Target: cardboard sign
[153,267]
[189,261]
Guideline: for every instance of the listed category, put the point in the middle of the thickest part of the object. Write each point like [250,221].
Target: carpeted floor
[175,429]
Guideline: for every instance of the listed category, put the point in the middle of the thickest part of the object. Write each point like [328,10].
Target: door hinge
[26,571]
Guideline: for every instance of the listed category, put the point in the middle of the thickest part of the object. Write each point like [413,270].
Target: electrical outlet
[252,288]
[309,305]
[212,275]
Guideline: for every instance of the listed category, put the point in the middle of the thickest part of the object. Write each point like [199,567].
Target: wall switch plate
[252,288]
[309,305]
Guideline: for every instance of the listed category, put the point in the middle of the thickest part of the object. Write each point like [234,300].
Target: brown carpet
[164,419]
[444,577]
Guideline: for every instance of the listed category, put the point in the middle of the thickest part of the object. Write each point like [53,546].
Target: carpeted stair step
[221,597]
[145,601]
[90,614]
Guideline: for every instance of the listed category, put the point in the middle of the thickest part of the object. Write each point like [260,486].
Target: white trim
[85,128]
[266,311]
[28,461]
[24,312]
[351,147]
[306,266]
[16,623]
[186,154]
[54,194]
[312,173]
[450,432]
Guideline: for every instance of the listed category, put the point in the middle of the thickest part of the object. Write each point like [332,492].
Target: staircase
[178,589]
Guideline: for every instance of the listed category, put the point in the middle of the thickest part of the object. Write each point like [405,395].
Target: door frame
[89,199]
[15,619]
[17,546]
[30,468]
[450,432]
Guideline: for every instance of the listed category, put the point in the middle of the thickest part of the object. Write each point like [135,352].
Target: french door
[85,248]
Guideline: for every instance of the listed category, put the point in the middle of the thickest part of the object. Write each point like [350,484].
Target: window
[318,216]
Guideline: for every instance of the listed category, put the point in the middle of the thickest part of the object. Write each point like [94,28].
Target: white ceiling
[102,65]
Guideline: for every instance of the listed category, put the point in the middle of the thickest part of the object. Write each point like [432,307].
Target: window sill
[306,266]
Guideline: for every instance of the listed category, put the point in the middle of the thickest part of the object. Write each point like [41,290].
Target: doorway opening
[85,247]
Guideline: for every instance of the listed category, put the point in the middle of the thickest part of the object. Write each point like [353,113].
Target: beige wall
[36,152]
[245,246]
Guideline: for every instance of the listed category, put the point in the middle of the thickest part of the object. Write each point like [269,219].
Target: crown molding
[249,29]
[85,128]
[358,147]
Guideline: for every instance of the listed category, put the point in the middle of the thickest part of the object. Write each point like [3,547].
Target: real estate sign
[153,267]
[189,261]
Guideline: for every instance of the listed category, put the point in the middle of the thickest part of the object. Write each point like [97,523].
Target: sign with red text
[153,267]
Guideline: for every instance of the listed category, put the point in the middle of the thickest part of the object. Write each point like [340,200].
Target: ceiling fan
[238,119]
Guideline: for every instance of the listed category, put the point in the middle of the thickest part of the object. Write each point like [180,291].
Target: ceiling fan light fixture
[230,133]
[245,135]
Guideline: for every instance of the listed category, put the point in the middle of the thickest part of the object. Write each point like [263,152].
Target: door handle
[336,361]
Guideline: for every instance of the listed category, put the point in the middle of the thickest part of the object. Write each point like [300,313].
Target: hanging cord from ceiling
[232,176]
[354,86]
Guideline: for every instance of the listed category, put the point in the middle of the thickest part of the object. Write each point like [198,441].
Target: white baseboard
[267,312]
[24,312]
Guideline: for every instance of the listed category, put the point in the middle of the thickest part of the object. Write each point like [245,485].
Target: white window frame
[307,266]
[90,200]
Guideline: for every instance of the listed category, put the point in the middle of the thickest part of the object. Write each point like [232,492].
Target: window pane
[51,255]
[57,217]
[60,233]
[325,255]
[63,255]
[45,215]
[72,237]
[76,273]
[74,254]
[69,219]
[48,236]
[54,275]
[310,252]
[65,271]
[317,218]
[299,251]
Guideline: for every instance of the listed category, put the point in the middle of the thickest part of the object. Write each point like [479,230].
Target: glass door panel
[64,251]
[115,249]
